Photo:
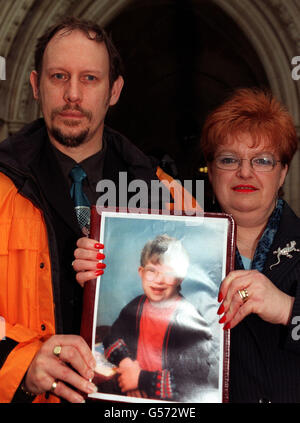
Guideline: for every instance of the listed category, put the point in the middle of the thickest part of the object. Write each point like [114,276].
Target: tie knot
[77,174]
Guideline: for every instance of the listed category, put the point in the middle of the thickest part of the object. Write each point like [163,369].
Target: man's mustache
[67,107]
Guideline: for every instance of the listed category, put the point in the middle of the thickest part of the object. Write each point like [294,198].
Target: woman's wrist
[288,309]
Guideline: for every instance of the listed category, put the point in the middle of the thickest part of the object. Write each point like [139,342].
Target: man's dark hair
[93,32]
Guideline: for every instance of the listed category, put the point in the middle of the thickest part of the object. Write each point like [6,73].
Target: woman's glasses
[259,163]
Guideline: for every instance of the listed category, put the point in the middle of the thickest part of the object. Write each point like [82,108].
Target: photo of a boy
[160,344]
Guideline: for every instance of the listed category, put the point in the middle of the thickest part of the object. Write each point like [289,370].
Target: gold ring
[53,386]
[243,294]
[57,350]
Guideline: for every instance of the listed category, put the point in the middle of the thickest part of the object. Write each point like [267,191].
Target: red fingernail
[220,297]
[101,265]
[100,256]
[99,246]
[222,320]
[99,272]
[227,326]
[221,309]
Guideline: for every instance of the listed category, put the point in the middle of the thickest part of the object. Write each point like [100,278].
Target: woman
[248,143]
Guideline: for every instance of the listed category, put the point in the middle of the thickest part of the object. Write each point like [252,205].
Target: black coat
[185,352]
[265,358]
[29,161]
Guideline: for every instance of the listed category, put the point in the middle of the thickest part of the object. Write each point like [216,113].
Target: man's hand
[129,372]
[46,368]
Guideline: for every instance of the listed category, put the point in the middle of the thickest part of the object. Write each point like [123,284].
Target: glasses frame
[239,163]
[156,274]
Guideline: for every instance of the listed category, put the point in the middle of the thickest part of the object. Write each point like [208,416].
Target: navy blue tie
[81,202]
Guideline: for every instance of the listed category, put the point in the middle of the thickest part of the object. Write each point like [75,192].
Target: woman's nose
[245,169]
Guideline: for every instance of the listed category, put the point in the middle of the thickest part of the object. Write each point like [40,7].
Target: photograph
[155,330]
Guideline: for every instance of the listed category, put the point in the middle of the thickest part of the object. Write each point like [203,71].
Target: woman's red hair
[255,112]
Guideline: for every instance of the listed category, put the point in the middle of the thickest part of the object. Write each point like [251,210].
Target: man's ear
[116,90]
[34,84]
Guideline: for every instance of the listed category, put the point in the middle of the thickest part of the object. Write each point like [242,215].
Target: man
[77,78]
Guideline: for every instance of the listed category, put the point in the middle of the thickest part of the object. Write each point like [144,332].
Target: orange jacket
[26,301]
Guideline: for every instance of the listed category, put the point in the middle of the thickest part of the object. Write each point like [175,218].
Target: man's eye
[90,78]
[59,76]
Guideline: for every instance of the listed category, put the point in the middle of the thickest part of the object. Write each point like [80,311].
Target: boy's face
[159,282]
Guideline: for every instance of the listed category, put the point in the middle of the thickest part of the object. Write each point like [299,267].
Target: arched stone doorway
[190,56]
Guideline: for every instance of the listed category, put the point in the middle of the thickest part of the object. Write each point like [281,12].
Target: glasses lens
[263,163]
[150,274]
[227,162]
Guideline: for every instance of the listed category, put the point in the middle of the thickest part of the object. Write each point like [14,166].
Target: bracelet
[23,389]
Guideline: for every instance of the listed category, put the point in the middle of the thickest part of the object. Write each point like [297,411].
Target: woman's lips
[245,188]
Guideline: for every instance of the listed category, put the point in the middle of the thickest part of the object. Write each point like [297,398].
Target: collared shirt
[93,167]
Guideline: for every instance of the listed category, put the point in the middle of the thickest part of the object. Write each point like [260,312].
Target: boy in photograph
[160,343]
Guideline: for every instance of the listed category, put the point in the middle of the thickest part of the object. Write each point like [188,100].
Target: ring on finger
[54,386]
[243,293]
[57,350]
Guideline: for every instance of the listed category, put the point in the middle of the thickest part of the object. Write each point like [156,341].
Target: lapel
[289,230]
[51,181]
[113,165]
[122,156]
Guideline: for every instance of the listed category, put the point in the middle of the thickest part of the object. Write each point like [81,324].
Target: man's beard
[69,140]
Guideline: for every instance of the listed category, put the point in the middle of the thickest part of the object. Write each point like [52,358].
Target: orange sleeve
[183,200]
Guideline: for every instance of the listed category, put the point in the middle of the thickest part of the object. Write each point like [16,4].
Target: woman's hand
[129,372]
[87,260]
[264,299]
